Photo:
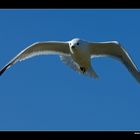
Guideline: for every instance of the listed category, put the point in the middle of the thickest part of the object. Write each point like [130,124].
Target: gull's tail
[91,73]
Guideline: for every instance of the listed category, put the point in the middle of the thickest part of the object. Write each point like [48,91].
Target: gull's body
[77,54]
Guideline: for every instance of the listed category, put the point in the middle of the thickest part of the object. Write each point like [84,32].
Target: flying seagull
[77,54]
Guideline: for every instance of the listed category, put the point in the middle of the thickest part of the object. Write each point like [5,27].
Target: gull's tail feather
[91,73]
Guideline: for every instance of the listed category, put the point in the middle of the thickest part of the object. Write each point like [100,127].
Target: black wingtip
[4,69]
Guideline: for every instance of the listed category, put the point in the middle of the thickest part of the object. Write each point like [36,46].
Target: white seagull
[77,54]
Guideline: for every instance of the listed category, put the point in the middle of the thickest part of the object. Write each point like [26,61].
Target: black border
[69,134]
[64,4]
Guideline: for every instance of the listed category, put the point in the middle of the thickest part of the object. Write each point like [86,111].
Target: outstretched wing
[114,49]
[39,48]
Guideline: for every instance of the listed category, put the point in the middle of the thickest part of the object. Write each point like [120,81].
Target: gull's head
[76,43]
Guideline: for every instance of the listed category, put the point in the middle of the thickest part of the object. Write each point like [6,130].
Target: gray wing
[115,50]
[39,48]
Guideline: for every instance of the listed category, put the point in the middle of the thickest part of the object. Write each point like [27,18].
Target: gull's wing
[114,49]
[39,48]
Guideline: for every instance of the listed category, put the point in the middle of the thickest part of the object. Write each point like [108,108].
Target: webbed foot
[83,69]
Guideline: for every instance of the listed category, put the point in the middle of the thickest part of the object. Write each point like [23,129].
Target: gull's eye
[77,43]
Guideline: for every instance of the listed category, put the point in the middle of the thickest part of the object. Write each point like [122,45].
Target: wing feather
[39,48]
[115,50]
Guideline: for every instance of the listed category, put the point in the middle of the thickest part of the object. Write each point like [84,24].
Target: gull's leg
[89,72]
[83,69]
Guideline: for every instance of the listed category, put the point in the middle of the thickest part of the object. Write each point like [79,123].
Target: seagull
[77,54]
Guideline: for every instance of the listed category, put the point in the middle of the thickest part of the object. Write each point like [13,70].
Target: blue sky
[42,93]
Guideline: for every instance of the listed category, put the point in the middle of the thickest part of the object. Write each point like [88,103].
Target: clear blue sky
[42,93]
